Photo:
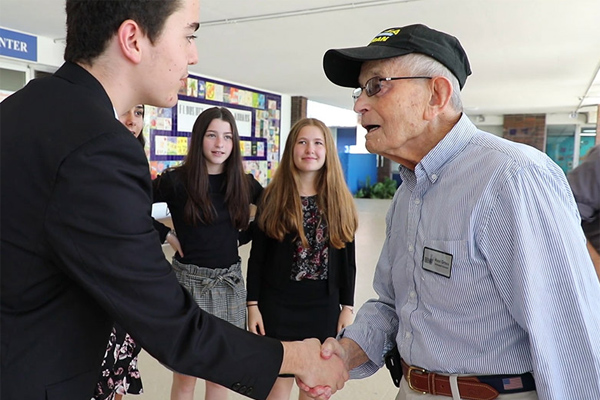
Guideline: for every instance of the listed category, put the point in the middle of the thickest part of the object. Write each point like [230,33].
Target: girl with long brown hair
[209,199]
[302,269]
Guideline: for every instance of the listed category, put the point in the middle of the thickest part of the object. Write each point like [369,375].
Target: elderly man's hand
[319,377]
[333,352]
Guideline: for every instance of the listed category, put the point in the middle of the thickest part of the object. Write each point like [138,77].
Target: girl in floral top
[119,374]
[301,271]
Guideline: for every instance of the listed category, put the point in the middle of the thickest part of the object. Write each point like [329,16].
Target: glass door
[587,140]
[560,145]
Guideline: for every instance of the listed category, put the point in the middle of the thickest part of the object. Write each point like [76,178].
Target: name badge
[437,262]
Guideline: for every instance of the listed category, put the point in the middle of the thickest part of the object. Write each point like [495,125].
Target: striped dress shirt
[517,290]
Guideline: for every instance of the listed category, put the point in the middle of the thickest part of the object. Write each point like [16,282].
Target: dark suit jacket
[79,251]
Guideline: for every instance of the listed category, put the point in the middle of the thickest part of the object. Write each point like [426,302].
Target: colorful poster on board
[257,116]
[192,87]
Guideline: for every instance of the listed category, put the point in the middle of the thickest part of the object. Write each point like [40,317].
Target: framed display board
[258,118]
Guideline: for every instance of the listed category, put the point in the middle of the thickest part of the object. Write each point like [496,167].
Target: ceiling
[527,56]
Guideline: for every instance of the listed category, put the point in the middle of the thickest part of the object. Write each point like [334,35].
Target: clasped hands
[328,370]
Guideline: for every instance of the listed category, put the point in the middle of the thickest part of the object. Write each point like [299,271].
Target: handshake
[321,370]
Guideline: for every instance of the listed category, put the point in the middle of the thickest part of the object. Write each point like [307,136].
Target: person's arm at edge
[595,257]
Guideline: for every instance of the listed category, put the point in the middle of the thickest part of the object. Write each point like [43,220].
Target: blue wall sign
[18,45]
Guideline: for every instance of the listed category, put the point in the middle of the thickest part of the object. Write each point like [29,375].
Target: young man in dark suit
[78,247]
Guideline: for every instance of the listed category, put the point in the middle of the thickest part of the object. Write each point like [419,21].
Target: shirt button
[407,335]
[412,294]
[434,176]
[417,201]
[411,248]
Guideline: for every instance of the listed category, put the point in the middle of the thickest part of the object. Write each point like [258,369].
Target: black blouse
[210,246]
[271,262]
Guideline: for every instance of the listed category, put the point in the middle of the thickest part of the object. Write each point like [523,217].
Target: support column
[526,128]
[298,108]
[384,168]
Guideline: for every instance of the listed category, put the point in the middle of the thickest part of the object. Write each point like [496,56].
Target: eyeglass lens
[372,87]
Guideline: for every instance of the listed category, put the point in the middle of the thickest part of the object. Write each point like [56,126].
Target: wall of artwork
[257,114]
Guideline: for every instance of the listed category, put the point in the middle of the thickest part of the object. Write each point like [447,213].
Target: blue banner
[18,45]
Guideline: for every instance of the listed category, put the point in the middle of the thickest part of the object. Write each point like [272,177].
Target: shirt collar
[454,142]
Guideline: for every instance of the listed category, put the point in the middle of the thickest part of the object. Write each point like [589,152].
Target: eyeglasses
[373,85]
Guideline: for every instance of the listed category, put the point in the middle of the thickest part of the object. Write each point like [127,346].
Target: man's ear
[129,37]
[441,92]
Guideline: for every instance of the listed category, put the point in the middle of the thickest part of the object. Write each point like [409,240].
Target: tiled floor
[369,239]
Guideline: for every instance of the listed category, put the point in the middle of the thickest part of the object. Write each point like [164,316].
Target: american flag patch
[512,383]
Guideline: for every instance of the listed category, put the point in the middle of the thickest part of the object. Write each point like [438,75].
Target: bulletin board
[257,114]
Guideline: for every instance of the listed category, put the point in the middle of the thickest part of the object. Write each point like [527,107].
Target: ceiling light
[307,11]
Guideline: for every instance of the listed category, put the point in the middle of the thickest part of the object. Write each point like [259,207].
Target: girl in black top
[302,269]
[209,199]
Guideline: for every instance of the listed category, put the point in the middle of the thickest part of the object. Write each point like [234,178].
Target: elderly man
[484,282]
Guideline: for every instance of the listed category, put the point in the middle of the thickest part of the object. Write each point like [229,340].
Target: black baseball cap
[342,66]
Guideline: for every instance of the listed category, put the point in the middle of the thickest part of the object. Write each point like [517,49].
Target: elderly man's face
[393,117]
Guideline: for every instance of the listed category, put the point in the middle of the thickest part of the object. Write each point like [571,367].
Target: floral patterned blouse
[311,262]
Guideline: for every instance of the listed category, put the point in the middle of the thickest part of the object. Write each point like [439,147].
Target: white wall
[330,115]
[339,117]
[50,52]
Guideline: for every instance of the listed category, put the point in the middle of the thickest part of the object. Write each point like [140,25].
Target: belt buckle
[412,369]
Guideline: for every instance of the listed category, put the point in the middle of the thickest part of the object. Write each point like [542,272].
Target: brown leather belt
[470,387]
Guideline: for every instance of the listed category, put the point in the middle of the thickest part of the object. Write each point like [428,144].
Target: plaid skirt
[218,291]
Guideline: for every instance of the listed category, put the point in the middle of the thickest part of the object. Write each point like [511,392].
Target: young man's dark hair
[91,24]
